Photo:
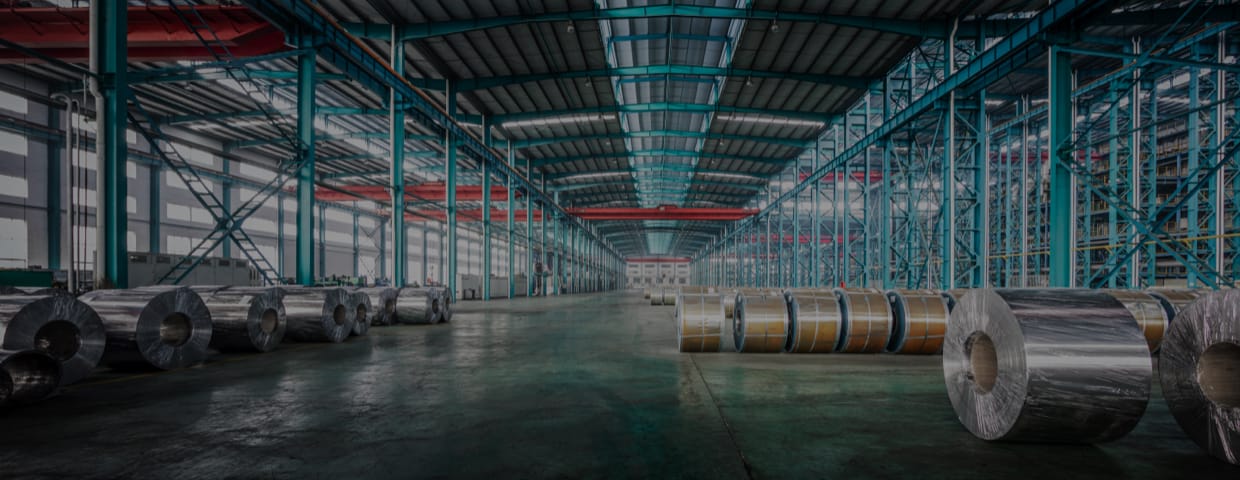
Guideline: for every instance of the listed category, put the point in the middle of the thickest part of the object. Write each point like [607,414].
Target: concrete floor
[574,387]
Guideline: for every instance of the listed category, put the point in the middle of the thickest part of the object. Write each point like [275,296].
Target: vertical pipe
[154,207]
[529,235]
[55,167]
[450,197]
[108,50]
[280,234]
[305,175]
[357,249]
[512,232]
[396,137]
[486,214]
[1060,209]
[815,238]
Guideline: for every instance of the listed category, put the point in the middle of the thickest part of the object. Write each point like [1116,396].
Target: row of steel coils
[49,339]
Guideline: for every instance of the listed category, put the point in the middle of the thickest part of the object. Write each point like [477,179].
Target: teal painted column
[512,232]
[55,165]
[109,26]
[154,207]
[1060,210]
[357,249]
[486,214]
[426,259]
[280,235]
[450,197]
[381,262]
[542,245]
[396,136]
[226,192]
[305,175]
[529,236]
[322,233]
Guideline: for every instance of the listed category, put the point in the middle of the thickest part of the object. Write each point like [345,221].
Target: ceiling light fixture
[570,28]
[560,120]
[768,120]
[774,27]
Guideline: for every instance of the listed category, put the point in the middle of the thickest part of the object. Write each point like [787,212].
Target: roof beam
[914,28]
[659,107]
[481,83]
[789,142]
[670,167]
[259,142]
[543,162]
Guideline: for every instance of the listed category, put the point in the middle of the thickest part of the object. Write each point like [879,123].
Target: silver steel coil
[444,315]
[27,376]
[59,325]
[167,327]
[919,321]
[8,290]
[1149,313]
[1045,365]
[646,293]
[669,296]
[1199,369]
[867,321]
[1174,300]
[656,296]
[729,303]
[360,304]
[246,319]
[383,299]
[699,322]
[317,314]
[417,306]
[761,323]
[952,296]
[814,321]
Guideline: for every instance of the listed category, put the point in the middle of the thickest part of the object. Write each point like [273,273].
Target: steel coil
[867,321]
[1149,313]
[318,314]
[61,326]
[417,306]
[246,319]
[669,296]
[1199,369]
[646,293]
[729,302]
[383,299]
[168,327]
[1045,365]
[919,321]
[761,323]
[360,304]
[444,315]
[9,290]
[814,321]
[27,376]
[699,322]
[1174,300]
[656,297]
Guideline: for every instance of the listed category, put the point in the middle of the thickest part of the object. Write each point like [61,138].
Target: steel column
[55,167]
[108,49]
[450,196]
[486,215]
[1060,210]
[396,137]
[305,175]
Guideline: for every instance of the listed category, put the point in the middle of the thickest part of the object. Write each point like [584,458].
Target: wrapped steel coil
[444,315]
[61,326]
[1174,300]
[1199,369]
[919,320]
[362,313]
[27,376]
[646,293]
[168,327]
[8,290]
[317,314]
[417,306]
[383,299]
[656,297]
[814,321]
[1148,311]
[246,319]
[729,302]
[669,296]
[43,292]
[761,323]
[699,322]
[1045,365]
[867,321]
[952,296]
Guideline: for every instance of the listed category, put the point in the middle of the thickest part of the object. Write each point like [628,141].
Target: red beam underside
[156,33]
[663,213]
[434,192]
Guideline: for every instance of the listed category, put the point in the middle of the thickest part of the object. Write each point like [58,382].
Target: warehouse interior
[620,238]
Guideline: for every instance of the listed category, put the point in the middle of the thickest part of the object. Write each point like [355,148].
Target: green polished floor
[581,386]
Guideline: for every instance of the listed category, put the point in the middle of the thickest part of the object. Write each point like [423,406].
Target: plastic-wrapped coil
[1149,312]
[669,296]
[1199,369]
[952,296]
[166,327]
[1045,365]
[27,376]
[656,296]
[699,322]
[383,299]
[246,319]
[9,290]
[362,313]
[444,315]
[59,325]
[867,321]
[1174,300]
[317,314]
[814,321]
[43,292]
[418,306]
[729,302]
[761,323]
[919,321]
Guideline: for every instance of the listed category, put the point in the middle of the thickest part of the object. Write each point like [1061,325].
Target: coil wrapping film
[444,315]
[246,319]
[919,321]
[363,311]
[729,302]
[1174,300]
[669,296]
[761,323]
[27,376]
[166,327]
[814,321]
[416,306]
[699,322]
[1149,313]
[58,325]
[383,299]
[867,321]
[1199,370]
[1045,365]
[317,314]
